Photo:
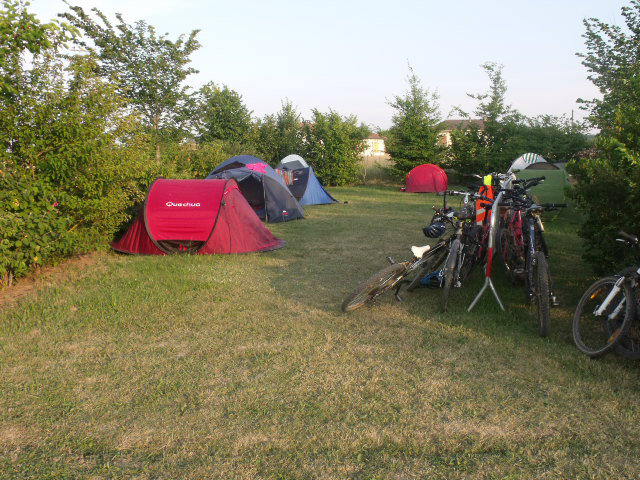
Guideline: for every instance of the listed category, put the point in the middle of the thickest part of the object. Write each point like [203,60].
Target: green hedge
[607,192]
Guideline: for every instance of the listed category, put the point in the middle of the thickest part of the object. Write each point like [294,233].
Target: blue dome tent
[302,181]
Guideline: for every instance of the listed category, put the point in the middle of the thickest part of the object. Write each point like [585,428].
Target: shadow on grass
[342,245]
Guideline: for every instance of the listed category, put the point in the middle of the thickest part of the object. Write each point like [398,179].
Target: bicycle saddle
[418,252]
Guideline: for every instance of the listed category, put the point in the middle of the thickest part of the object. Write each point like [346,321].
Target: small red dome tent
[196,216]
[426,178]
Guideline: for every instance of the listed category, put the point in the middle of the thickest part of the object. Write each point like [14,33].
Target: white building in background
[444,136]
[374,146]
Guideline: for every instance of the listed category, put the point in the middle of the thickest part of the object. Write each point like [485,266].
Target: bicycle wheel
[541,289]
[511,255]
[629,346]
[470,246]
[448,275]
[593,334]
[375,285]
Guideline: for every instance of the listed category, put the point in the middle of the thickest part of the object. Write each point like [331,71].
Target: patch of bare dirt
[71,269]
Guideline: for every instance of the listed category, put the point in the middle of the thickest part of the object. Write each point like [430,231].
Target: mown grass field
[244,367]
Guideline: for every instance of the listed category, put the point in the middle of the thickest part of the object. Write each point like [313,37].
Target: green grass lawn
[244,367]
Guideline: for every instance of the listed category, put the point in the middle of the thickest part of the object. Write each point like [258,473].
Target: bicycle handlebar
[628,237]
[532,182]
[473,195]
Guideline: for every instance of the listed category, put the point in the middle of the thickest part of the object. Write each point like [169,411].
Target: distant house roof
[462,124]
[375,136]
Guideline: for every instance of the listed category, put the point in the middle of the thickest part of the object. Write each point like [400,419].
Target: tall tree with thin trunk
[150,69]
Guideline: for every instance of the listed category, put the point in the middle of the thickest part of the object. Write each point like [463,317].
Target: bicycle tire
[448,275]
[375,285]
[629,346]
[597,335]
[470,245]
[509,257]
[541,289]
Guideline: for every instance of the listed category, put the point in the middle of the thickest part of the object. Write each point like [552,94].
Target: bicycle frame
[612,294]
[514,225]
[459,254]
[417,263]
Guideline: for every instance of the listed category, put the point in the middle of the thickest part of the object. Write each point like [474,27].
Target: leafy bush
[191,160]
[222,115]
[34,230]
[332,145]
[74,162]
[608,180]
[608,193]
[279,135]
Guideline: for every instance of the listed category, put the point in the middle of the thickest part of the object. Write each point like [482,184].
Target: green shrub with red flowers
[34,231]
[74,159]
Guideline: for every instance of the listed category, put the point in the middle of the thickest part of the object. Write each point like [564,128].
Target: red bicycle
[524,251]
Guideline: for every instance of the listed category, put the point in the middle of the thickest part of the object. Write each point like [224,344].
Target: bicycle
[425,259]
[629,346]
[492,184]
[511,239]
[463,248]
[524,251]
[606,312]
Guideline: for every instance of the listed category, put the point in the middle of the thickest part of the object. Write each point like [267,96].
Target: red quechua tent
[426,178]
[196,216]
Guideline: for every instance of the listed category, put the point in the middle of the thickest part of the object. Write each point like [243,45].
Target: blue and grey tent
[263,188]
[302,181]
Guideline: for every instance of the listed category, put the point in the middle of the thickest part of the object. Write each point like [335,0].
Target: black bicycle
[463,247]
[427,260]
[524,251]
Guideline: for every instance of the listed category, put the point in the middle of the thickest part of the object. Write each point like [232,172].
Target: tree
[281,134]
[72,157]
[413,136]
[223,115]
[608,181]
[506,134]
[557,139]
[150,70]
[492,148]
[332,145]
[265,133]
[613,61]
[469,150]
[491,104]
[22,32]
[288,128]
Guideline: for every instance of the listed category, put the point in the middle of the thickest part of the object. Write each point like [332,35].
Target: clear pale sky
[351,55]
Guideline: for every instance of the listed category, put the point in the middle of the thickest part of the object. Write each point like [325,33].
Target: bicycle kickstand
[398,287]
